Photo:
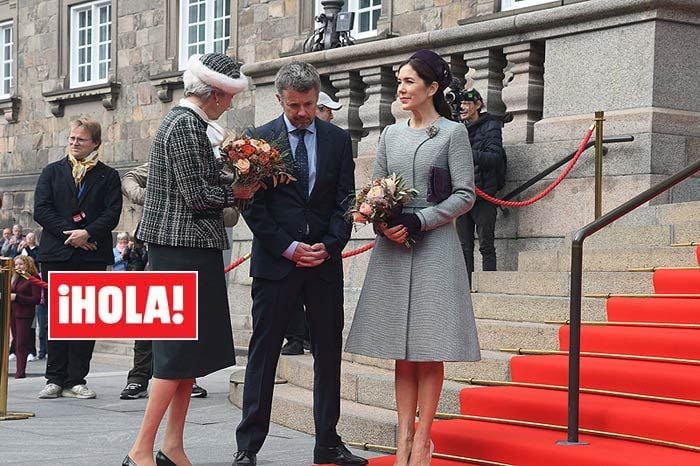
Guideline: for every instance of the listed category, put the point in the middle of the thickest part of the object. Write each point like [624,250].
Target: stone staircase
[510,306]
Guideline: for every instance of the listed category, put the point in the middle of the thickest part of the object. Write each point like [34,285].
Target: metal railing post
[6,267]
[599,119]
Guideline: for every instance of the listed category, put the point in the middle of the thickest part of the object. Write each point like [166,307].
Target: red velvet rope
[236,263]
[549,188]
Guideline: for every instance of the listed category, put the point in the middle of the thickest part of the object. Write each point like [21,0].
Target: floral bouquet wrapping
[382,199]
[254,161]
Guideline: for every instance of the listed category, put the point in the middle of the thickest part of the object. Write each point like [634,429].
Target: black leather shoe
[292,348]
[128,461]
[162,460]
[337,455]
[245,458]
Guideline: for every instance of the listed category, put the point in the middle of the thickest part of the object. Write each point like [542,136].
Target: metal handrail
[577,274]
[547,171]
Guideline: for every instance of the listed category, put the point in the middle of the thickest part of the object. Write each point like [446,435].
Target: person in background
[488,156]
[12,242]
[78,202]
[25,296]
[415,306]
[325,107]
[120,252]
[29,247]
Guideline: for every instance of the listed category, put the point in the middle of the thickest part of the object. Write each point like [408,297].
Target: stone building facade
[550,63]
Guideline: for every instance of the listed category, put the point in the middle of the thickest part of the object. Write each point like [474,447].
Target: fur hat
[219,71]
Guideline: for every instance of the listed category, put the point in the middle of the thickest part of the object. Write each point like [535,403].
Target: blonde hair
[91,126]
[30,266]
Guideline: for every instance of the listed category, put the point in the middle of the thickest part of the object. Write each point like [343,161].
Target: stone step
[292,407]
[360,383]
[607,260]
[526,308]
[662,214]
[558,283]
[116,352]
[627,236]
[497,334]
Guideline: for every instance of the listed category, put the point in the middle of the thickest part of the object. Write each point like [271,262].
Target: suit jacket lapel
[282,137]
[67,173]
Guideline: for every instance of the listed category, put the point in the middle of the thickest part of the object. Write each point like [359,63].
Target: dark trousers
[273,301]
[481,218]
[42,325]
[21,334]
[143,363]
[68,362]
[30,342]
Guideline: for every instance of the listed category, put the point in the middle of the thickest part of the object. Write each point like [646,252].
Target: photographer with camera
[489,175]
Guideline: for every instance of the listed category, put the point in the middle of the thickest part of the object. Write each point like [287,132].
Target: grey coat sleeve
[461,165]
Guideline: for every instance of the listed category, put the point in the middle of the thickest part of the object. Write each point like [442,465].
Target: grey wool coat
[415,303]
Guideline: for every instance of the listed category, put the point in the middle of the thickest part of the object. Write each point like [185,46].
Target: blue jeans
[42,323]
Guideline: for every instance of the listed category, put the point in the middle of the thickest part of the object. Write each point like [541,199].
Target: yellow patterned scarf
[81,167]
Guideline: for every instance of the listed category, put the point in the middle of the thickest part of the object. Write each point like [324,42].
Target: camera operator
[489,166]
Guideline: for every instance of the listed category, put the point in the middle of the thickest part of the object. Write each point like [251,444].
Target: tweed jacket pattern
[184,202]
[415,303]
[56,200]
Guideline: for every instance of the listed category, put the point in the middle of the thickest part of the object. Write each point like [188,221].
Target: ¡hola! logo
[123,305]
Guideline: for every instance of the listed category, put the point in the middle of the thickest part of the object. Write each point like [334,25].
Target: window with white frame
[205,27]
[6,59]
[515,4]
[90,43]
[366,16]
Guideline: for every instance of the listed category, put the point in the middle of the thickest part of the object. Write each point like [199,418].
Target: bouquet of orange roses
[256,161]
[380,200]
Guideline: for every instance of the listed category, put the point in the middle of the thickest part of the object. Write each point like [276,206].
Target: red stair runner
[655,309]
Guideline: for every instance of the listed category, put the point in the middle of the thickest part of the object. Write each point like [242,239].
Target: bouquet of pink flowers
[382,199]
[254,160]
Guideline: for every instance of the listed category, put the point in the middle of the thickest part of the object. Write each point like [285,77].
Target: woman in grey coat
[415,305]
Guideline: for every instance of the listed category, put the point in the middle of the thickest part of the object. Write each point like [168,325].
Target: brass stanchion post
[599,119]
[6,267]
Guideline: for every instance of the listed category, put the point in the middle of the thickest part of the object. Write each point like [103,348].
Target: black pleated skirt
[182,359]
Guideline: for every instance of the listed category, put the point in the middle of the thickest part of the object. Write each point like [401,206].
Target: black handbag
[439,184]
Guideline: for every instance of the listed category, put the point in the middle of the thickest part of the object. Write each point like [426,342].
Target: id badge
[79,217]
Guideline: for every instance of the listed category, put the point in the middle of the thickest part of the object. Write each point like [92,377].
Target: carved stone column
[488,77]
[375,113]
[524,95]
[351,93]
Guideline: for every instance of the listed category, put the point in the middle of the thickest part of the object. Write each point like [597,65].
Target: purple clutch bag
[439,184]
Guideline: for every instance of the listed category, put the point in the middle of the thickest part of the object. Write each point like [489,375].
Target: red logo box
[123,306]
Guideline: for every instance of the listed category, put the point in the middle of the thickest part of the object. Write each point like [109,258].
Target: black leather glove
[410,221]
[226,178]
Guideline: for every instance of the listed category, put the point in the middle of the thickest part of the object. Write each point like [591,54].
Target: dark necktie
[301,162]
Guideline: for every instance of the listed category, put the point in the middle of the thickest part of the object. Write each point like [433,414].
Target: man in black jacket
[78,202]
[487,152]
[299,232]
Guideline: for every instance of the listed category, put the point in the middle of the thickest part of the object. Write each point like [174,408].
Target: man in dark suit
[299,232]
[78,202]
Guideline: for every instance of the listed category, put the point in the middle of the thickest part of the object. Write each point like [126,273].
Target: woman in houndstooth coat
[415,305]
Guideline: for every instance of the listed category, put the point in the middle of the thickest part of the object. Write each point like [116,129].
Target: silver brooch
[432,131]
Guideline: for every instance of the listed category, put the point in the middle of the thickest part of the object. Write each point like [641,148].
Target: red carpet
[646,341]
[656,309]
[677,281]
[663,421]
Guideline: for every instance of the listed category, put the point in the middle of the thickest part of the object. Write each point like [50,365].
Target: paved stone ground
[98,432]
